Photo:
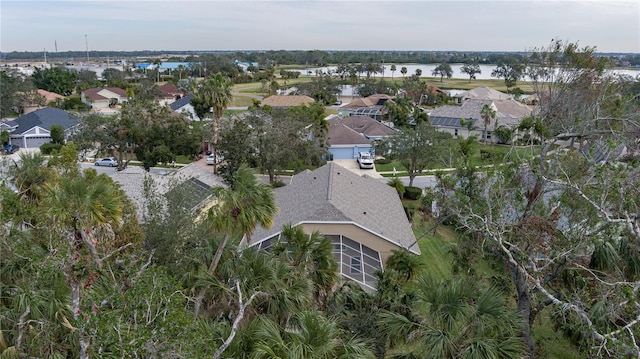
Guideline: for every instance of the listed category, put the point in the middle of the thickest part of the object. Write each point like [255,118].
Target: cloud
[340,25]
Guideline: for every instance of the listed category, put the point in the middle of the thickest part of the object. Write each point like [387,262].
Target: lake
[457,74]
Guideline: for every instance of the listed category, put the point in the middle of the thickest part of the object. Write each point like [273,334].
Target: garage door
[35,142]
[342,153]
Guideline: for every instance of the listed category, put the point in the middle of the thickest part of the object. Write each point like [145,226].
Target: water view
[427,68]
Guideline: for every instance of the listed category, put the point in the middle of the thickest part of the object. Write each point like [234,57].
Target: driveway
[352,165]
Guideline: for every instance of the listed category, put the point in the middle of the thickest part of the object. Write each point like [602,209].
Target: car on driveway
[9,149]
[107,161]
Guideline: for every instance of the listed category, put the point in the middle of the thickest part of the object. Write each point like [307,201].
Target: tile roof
[94,93]
[169,90]
[45,118]
[49,96]
[332,193]
[287,100]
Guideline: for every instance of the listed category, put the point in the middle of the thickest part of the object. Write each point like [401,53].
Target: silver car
[107,161]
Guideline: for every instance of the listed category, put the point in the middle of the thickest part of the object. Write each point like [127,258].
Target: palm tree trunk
[215,144]
[524,307]
[210,271]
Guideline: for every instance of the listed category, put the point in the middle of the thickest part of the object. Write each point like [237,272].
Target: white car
[210,159]
[107,161]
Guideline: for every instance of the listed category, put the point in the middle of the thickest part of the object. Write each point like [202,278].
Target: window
[356,265]
[488,135]
[455,132]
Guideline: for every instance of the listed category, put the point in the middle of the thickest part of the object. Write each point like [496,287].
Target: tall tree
[488,114]
[83,210]
[55,79]
[442,70]
[236,213]
[511,70]
[403,70]
[471,70]
[215,92]
[562,225]
[393,70]
[415,149]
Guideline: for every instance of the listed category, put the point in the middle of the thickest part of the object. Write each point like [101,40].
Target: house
[184,106]
[169,93]
[350,135]
[466,120]
[372,106]
[364,228]
[190,186]
[482,93]
[34,129]
[284,101]
[104,98]
[38,99]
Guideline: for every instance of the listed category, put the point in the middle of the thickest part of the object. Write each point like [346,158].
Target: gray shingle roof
[178,104]
[367,126]
[45,118]
[508,112]
[332,193]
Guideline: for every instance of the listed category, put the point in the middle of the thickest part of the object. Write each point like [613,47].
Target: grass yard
[483,156]
[435,248]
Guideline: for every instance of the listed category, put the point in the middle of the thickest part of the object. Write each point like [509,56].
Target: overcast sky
[515,25]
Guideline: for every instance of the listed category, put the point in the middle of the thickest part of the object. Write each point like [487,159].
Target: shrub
[397,183]
[48,148]
[412,193]
[277,184]
[409,210]
[382,161]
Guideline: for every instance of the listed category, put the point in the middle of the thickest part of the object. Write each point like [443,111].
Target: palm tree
[80,206]
[487,113]
[312,256]
[237,212]
[418,72]
[30,175]
[461,319]
[215,91]
[403,71]
[309,336]
[393,70]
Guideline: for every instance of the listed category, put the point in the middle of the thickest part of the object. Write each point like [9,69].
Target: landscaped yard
[485,155]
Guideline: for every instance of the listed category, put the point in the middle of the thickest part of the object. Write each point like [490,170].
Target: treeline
[316,57]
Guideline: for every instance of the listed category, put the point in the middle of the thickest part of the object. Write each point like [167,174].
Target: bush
[382,161]
[409,210]
[412,193]
[48,148]
[277,184]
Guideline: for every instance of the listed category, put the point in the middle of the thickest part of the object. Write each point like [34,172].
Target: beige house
[362,216]
[104,98]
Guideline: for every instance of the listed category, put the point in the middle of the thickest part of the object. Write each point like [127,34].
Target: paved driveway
[352,165]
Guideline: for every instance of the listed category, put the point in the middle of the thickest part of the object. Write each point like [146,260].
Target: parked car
[210,159]
[107,161]
[9,149]
[365,160]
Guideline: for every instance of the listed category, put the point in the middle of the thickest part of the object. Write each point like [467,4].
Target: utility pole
[86,43]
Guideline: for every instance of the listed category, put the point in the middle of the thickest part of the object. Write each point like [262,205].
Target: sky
[427,25]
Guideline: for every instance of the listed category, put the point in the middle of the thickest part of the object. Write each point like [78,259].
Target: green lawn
[435,248]
[497,154]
